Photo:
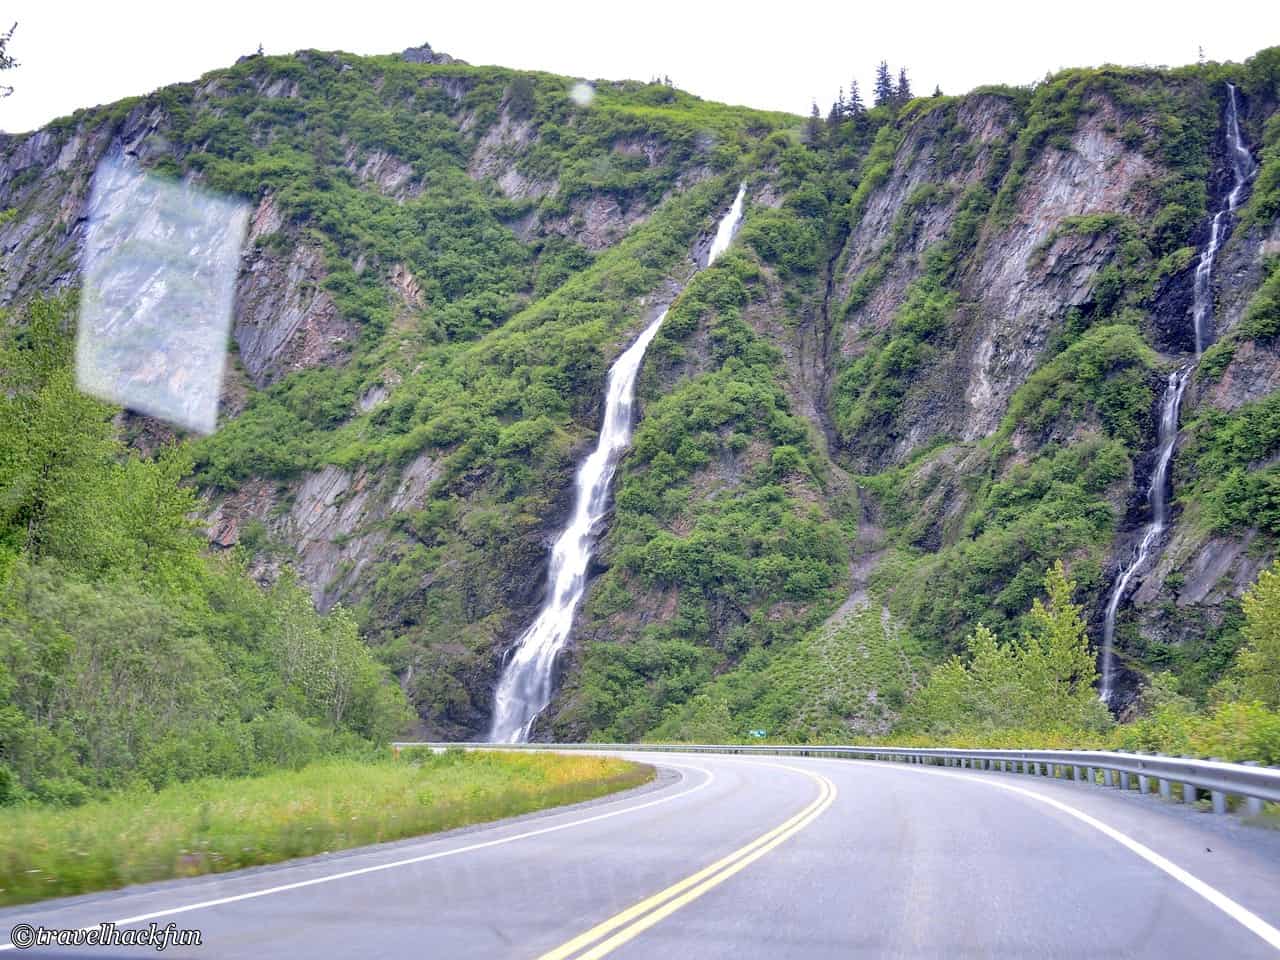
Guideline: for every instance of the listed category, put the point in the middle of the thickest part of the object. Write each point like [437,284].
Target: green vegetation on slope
[854,674]
[126,655]
[1227,466]
[496,370]
[1042,680]
[734,515]
[216,825]
[716,509]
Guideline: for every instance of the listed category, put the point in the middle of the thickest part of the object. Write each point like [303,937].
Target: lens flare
[158,279]
[582,94]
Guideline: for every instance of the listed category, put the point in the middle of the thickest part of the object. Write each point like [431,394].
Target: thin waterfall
[524,688]
[1151,536]
[1242,169]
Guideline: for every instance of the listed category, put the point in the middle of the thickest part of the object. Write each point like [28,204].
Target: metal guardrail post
[1219,798]
[1252,805]
[1189,792]
[1144,783]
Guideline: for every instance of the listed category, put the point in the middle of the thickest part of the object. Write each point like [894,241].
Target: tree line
[888,93]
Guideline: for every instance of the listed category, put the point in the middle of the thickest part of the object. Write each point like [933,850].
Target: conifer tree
[854,105]
[813,129]
[837,111]
[903,91]
[884,85]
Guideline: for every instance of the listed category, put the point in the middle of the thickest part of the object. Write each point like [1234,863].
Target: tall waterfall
[524,689]
[1242,169]
[1159,503]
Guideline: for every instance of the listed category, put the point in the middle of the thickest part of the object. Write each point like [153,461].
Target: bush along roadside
[215,825]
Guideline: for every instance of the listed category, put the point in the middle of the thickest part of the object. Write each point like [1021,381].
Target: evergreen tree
[813,129]
[903,91]
[937,90]
[837,111]
[854,105]
[884,85]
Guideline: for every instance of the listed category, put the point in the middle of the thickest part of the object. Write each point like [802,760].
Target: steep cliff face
[1093,225]
[929,367]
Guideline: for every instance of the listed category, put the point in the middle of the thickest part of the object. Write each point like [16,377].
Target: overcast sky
[777,55]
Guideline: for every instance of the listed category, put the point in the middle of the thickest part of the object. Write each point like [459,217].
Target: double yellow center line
[633,921]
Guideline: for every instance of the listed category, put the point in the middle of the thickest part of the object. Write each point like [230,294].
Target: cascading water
[524,689]
[1156,497]
[1242,169]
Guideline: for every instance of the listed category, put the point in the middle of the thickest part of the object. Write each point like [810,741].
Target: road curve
[754,857]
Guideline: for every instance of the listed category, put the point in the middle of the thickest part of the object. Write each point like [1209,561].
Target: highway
[753,857]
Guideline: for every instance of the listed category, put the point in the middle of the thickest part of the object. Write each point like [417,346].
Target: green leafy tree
[1044,680]
[126,653]
[6,59]
[1058,662]
[1259,661]
[520,99]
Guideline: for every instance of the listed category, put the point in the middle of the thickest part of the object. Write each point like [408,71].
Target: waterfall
[524,689]
[1242,169]
[1159,503]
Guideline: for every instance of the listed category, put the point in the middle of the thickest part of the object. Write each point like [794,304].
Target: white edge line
[1236,911]
[375,868]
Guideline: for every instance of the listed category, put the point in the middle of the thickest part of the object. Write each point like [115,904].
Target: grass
[216,825]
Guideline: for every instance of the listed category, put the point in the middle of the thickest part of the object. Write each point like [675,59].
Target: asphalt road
[755,857]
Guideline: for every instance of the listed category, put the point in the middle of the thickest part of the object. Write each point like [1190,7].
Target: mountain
[931,365]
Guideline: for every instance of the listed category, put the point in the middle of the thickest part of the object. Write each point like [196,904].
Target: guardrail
[1175,778]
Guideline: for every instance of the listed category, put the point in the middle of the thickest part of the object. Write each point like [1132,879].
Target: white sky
[777,55]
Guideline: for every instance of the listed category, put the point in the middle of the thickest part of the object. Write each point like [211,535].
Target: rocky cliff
[929,367]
